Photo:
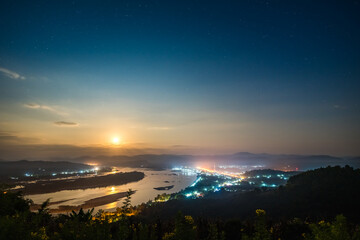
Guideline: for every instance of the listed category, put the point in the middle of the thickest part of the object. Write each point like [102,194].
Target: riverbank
[51,186]
[91,203]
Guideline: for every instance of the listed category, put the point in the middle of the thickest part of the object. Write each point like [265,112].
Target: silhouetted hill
[19,168]
[314,194]
[274,161]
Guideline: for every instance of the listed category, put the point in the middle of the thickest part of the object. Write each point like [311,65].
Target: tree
[12,202]
[82,216]
[261,232]
[337,230]
[127,202]
[184,229]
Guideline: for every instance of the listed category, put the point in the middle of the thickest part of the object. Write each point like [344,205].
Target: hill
[263,160]
[321,193]
[23,168]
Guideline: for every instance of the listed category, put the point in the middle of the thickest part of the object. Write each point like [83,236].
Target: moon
[116,140]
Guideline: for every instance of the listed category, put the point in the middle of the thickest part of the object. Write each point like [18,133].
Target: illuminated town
[212,182]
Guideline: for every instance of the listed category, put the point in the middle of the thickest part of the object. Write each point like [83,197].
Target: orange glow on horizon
[92,164]
[220,172]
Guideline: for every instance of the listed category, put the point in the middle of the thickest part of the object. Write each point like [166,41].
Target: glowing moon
[116,141]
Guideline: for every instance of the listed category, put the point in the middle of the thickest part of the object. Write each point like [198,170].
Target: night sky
[199,77]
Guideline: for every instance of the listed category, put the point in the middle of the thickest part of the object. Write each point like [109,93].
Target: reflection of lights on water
[114,170]
[197,180]
[110,205]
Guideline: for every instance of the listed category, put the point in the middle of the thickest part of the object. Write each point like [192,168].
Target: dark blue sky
[276,76]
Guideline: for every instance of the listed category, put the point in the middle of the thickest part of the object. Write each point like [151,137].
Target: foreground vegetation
[18,222]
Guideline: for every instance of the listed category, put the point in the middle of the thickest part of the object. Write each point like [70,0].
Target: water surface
[144,189]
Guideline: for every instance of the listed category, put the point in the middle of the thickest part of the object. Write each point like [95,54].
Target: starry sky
[199,77]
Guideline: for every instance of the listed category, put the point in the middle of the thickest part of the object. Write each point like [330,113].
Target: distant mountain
[157,162]
[265,156]
[20,168]
[262,160]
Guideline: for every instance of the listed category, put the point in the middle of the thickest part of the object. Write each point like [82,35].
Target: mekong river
[144,189]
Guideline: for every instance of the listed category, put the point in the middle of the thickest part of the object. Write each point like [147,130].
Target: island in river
[91,203]
[164,188]
[50,186]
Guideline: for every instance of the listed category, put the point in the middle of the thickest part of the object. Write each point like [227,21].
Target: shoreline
[42,187]
[91,203]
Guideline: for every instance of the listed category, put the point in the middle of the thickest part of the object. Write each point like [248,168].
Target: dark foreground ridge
[49,186]
[324,192]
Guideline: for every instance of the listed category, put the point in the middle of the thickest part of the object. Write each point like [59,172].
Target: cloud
[10,137]
[11,74]
[66,124]
[159,128]
[179,146]
[44,107]
[338,106]
[37,106]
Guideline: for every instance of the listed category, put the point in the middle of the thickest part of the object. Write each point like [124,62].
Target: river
[144,189]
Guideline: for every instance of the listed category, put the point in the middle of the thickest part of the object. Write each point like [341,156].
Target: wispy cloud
[44,107]
[37,106]
[75,153]
[8,138]
[159,128]
[10,74]
[338,106]
[66,124]
[11,137]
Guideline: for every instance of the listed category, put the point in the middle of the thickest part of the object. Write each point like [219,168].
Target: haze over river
[144,189]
